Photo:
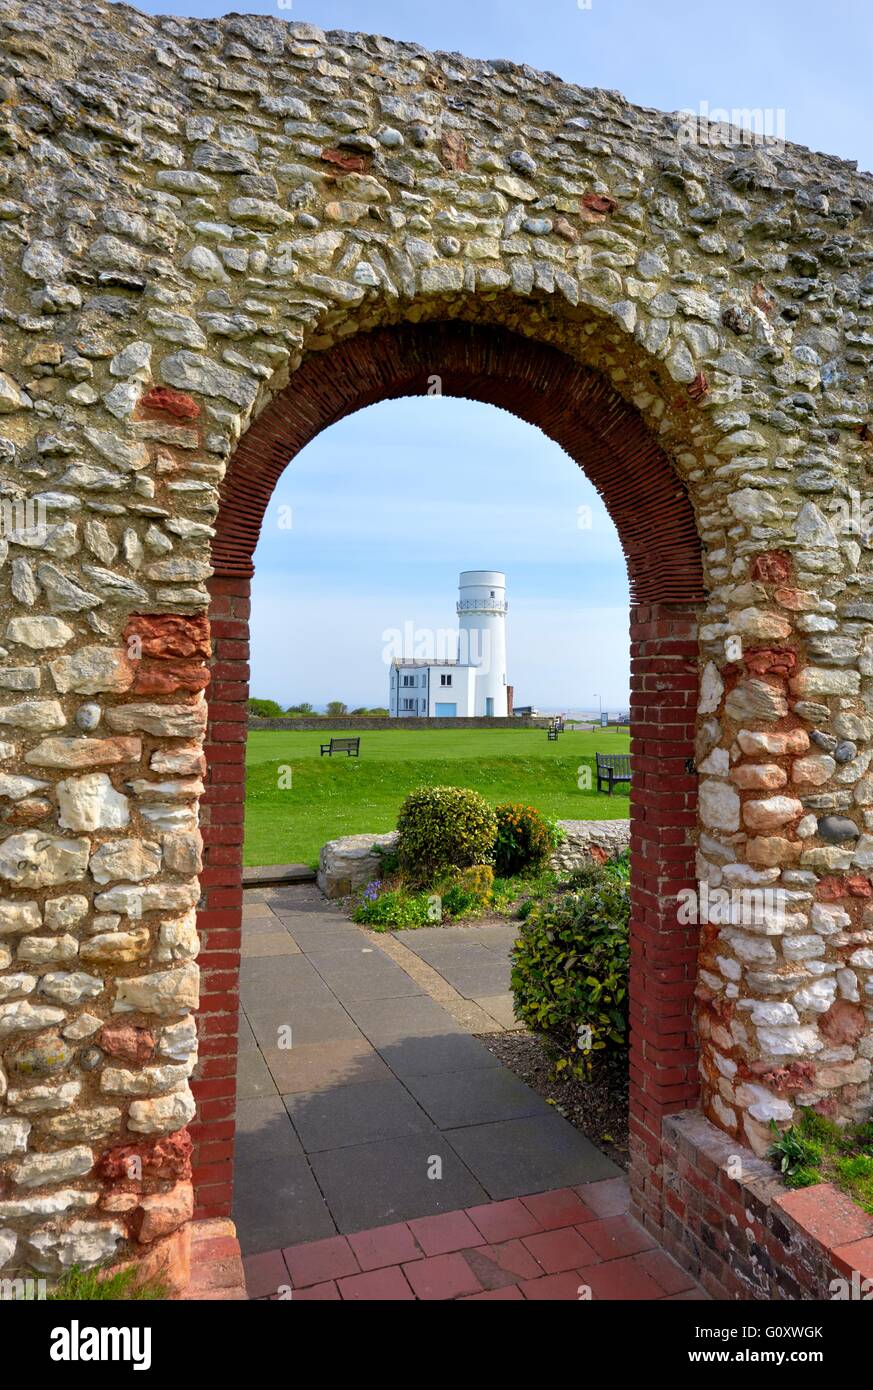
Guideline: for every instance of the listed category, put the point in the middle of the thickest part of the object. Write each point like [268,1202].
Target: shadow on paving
[382,1109]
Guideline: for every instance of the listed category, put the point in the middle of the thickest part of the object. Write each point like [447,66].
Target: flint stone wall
[191,211]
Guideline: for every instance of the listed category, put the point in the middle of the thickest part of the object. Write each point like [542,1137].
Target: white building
[473,682]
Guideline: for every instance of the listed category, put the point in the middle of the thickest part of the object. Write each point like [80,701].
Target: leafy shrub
[442,828]
[265,709]
[570,973]
[382,909]
[525,839]
[467,891]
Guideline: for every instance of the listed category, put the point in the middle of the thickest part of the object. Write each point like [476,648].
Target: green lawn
[346,796]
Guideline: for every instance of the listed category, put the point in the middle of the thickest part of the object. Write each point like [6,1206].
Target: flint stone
[18,917]
[132,859]
[168,721]
[92,670]
[84,752]
[91,803]
[164,1115]
[32,859]
[165,993]
[835,829]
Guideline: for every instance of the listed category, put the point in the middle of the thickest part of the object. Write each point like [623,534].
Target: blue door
[489,705]
[446,711]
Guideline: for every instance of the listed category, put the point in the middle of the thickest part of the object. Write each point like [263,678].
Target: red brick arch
[580,411]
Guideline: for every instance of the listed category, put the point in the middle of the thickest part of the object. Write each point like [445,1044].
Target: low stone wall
[361,721]
[352,861]
[610,836]
[728,1219]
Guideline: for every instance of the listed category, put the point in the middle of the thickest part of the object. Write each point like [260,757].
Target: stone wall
[361,721]
[218,237]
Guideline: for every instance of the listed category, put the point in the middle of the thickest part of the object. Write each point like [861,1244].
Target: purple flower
[371,892]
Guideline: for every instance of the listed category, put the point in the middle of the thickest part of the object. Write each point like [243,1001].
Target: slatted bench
[351,746]
[612,768]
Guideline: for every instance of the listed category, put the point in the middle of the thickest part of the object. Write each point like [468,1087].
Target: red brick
[554,1288]
[386,1285]
[616,1236]
[509,1292]
[504,1220]
[319,1260]
[441,1277]
[265,1274]
[450,1230]
[318,1293]
[620,1279]
[558,1250]
[386,1245]
[563,1207]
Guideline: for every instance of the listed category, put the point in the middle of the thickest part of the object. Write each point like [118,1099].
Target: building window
[409,704]
[445,680]
[409,680]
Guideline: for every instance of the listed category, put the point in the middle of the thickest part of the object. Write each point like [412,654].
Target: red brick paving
[571,1244]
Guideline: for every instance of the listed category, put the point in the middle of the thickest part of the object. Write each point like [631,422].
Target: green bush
[265,709]
[465,892]
[525,839]
[442,828]
[394,908]
[570,973]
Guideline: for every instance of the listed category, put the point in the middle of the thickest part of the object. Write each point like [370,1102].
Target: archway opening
[579,410]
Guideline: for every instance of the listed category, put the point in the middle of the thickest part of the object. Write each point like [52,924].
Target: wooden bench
[352,746]
[612,768]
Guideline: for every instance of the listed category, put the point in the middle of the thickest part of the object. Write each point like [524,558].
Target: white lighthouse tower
[482,637]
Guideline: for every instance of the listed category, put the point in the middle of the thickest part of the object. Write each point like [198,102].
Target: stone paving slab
[481,1095]
[547,1246]
[362,1114]
[432,1053]
[390,1180]
[527,1154]
[324,1066]
[263,1133]
[279,1202]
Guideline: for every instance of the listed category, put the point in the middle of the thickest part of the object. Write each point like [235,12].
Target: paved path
[385,1114]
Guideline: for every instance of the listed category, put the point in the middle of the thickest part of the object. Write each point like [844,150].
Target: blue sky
[391,503]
